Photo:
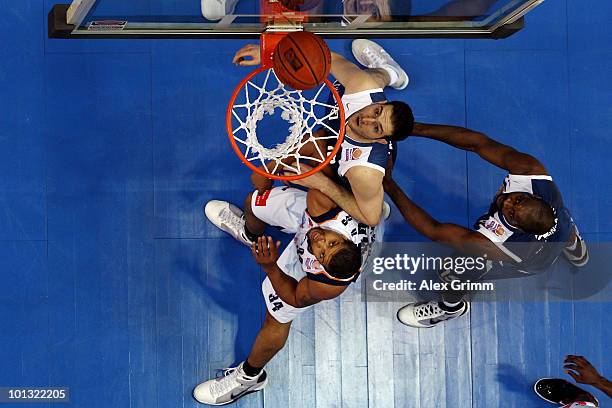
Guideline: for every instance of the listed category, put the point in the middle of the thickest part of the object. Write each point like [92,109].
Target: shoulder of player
[478,243]
[372,149]
[528,166]
[365,179]
[539,184]
[324,291]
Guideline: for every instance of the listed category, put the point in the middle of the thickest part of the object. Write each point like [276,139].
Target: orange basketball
[302,60]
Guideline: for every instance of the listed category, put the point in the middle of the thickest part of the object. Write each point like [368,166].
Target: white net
[304,112]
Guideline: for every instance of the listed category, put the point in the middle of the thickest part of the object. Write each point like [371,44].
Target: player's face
[324,244]
[372,122]
[516,206]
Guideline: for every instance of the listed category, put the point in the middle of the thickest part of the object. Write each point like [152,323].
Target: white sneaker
[217,9]
[371,55]
[233,385]
[428,314]
[229,218]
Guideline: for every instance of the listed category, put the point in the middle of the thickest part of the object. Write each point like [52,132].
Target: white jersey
[285,207]
[353,153]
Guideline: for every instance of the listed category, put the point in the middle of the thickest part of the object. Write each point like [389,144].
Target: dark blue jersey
[529,252]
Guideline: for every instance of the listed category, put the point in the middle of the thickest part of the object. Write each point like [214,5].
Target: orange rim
[230,131]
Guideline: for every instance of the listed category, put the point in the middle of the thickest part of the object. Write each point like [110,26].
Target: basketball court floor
[115,285]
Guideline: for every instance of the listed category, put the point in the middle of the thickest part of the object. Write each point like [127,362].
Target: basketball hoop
[298,110]
[261,93]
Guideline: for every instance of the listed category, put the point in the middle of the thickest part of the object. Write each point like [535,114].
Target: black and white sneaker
[229,218]
[561,392]
[428,314]
[577,253]
[230,387]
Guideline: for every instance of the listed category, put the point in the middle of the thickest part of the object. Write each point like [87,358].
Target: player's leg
[382,67]
[253,226]
[270,340]
[229,218]
[249,376]
[281,207]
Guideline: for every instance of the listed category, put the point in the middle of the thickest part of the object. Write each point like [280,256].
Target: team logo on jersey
[353,153]
[312,264]
[495,227]
[262,199]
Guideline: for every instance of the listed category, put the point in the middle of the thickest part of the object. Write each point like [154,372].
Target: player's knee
[277,333]
[247,203]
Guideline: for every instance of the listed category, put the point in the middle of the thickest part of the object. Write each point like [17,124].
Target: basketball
[302,60]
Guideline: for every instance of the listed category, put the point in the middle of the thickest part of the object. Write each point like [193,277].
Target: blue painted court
[114,284]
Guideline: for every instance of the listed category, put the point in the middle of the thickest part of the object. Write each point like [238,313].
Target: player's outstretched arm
[353,78]
[297,294]
[458,237]
[496,153]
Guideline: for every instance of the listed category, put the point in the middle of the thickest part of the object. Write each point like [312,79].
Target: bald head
[537,217]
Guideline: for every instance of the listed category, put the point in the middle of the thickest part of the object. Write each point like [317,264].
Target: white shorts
[282,207]
[281,312]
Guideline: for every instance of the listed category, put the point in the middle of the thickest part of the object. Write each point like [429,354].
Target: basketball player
[527,209]
[323,259]
[372,124]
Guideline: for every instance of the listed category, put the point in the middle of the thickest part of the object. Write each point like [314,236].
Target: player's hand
[581,370]
[315,181]
[261,183]
[265,251]
[388,172]
[248,55]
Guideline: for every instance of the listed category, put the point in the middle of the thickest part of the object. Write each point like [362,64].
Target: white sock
[393,76]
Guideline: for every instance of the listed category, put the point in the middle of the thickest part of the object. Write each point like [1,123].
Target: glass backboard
[249,18]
